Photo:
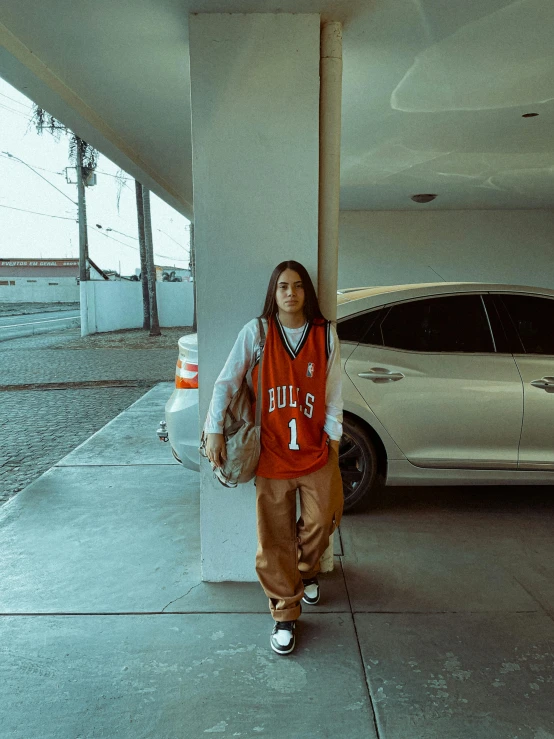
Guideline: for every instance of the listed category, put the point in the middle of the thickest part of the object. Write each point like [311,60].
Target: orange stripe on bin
[186,375]
[183,383]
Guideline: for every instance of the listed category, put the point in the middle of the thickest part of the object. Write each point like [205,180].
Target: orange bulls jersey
[293,442]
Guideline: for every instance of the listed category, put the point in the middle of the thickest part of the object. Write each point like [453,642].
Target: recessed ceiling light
[423,198]
[529,115]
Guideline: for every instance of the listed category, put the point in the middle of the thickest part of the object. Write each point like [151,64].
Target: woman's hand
[215,449]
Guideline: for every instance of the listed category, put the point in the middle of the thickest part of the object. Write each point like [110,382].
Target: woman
[300,431]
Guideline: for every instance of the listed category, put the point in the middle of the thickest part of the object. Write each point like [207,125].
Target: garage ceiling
[434,92]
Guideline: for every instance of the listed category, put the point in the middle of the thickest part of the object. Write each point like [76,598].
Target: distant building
[34,268]
[41,280]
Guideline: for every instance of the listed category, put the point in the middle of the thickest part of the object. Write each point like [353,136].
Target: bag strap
[259,395]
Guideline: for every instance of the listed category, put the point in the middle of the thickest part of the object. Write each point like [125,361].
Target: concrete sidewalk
[436,623]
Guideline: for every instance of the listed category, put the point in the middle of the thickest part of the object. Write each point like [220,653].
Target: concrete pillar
[255,113]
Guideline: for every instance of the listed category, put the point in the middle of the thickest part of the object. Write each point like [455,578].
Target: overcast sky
[55,232]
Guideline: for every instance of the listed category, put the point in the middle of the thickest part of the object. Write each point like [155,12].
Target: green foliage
[78,149]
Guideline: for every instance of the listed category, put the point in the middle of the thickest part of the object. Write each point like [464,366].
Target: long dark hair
[311,303]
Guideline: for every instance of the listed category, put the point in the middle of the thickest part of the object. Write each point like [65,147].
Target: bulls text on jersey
[287,396]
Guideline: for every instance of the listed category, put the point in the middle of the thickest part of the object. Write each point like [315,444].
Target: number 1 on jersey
[293,436]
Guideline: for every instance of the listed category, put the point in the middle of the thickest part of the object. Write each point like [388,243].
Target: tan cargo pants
[289,551]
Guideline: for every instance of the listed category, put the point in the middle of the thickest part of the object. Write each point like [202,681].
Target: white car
[443,384]
[181,410]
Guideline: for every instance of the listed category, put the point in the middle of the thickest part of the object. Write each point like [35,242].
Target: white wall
[116,305]
[175,303]
[395,247]
[23,291]
[113,305]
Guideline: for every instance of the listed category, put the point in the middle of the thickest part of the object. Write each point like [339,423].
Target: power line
[3,104]
[6,154]
[17,159]
[52,171]
[165,256]
[66,218]
[135,239]
[136,248]
[15,112]
[101,233]
[108,174]
[108,228]
[34,212]
[172,239]
[26,105]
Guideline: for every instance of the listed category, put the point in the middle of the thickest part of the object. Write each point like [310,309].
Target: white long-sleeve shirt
[246,347]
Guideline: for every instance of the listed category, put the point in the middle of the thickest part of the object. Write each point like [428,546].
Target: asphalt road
[37,323]
[24,308]
[26,319]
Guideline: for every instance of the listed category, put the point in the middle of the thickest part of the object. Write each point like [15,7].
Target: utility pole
[154,321]
[79,152]
[83,236]
[143,261]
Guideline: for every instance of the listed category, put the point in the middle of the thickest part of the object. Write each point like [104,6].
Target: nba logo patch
[310,371]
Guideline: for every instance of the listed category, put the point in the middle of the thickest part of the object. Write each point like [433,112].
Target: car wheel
[358,464]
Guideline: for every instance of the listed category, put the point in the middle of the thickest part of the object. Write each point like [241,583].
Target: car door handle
[381,374]
[544,382]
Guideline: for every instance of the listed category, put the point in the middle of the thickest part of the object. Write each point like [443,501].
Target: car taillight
[186,375]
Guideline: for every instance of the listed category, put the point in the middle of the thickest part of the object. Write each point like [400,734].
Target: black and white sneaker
[311,591]
[282,637]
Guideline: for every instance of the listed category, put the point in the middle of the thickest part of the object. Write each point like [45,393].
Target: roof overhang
[433,93]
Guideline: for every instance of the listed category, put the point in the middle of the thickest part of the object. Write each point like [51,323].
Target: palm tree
[85,158]
[143,260]
[154,322]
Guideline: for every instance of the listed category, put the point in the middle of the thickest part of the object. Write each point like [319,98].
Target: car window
[454,323]
[357,327]
[505,335]
[533,319]
[375,336]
